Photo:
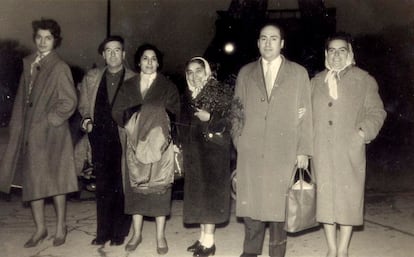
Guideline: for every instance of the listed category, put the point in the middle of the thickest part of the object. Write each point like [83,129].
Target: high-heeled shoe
[130,247]
[33,242]
[203,251]
[194,246]
[162,250]
[60,240]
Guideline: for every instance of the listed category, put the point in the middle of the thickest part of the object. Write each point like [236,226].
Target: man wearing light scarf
[347,114]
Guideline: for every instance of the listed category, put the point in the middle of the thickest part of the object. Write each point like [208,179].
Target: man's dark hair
[48,24]
[273,24]
[116,38]
[140,51]
[338,36]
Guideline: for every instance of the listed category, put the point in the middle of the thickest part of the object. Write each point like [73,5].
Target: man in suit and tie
[275,135]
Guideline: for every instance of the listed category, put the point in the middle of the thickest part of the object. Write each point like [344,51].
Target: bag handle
[301,175]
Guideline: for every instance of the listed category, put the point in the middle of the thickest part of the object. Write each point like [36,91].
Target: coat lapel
[39,81]
[324,86]
[258,77]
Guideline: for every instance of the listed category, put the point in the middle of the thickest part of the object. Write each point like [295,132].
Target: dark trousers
[112,222]
[254,236]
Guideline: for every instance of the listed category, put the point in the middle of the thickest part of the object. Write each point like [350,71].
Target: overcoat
[273,135]
[89,89]
[206,163]
[339,151]
[40,148]
[88,92]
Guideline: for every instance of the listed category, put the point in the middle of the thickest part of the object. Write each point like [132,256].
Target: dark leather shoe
[34,242]
[203,251]
[60,240]
[194,246]
[248,255]
[99,241]
[117,241]
[162,250]
[130,247]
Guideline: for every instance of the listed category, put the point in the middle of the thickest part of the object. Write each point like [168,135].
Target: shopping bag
[301,202]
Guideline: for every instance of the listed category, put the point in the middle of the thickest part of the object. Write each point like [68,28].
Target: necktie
[268,79]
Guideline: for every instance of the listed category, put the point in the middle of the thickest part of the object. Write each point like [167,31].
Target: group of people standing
[131,121]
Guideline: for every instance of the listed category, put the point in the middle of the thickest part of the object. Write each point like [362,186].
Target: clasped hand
[202,115]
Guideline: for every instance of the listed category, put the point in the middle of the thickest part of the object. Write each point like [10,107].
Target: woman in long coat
[149,87]
[206,148]
[347,114]
[40,150]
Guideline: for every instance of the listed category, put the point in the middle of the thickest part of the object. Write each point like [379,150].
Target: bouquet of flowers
[219,98]
[215,97]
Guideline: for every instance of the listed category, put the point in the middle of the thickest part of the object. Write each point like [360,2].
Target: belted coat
[272,136]
[339,160]
[40,148]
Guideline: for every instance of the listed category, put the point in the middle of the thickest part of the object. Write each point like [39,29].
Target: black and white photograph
[229,128]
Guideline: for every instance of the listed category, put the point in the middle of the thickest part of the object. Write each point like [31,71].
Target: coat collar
[259,76]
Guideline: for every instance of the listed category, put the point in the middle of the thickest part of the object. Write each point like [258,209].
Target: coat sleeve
[85,96]
[239,101]
[67,100]
[373,110]
[305,126]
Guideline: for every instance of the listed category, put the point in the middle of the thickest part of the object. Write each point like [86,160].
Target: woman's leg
[137,221]
[330,234]
[160,224]
[38,213]
[345,233]
[60,208]
[209,230]
[202,233]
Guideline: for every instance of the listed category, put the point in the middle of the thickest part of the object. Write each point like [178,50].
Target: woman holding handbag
[206,149]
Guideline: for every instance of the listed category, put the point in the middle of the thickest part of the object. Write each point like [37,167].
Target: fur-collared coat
[272,136]
[339,151]
[40,148]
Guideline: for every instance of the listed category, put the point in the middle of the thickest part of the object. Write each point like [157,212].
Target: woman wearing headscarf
[145,107]
[206,149]
[347,114]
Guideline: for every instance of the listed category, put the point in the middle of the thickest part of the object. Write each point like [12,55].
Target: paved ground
[388,232]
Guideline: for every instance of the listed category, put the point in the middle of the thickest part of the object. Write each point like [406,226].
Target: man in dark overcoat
[97,94]
[276,135]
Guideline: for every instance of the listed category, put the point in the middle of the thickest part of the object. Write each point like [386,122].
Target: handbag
[301,202]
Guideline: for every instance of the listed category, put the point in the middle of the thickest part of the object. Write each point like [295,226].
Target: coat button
[262,99]
[330,104]
[330,122]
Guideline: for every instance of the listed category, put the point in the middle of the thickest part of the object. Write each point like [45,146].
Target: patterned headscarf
[196,89]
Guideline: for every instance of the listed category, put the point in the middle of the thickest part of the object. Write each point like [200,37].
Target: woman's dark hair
[140,51]
[338,36]
[48,24]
